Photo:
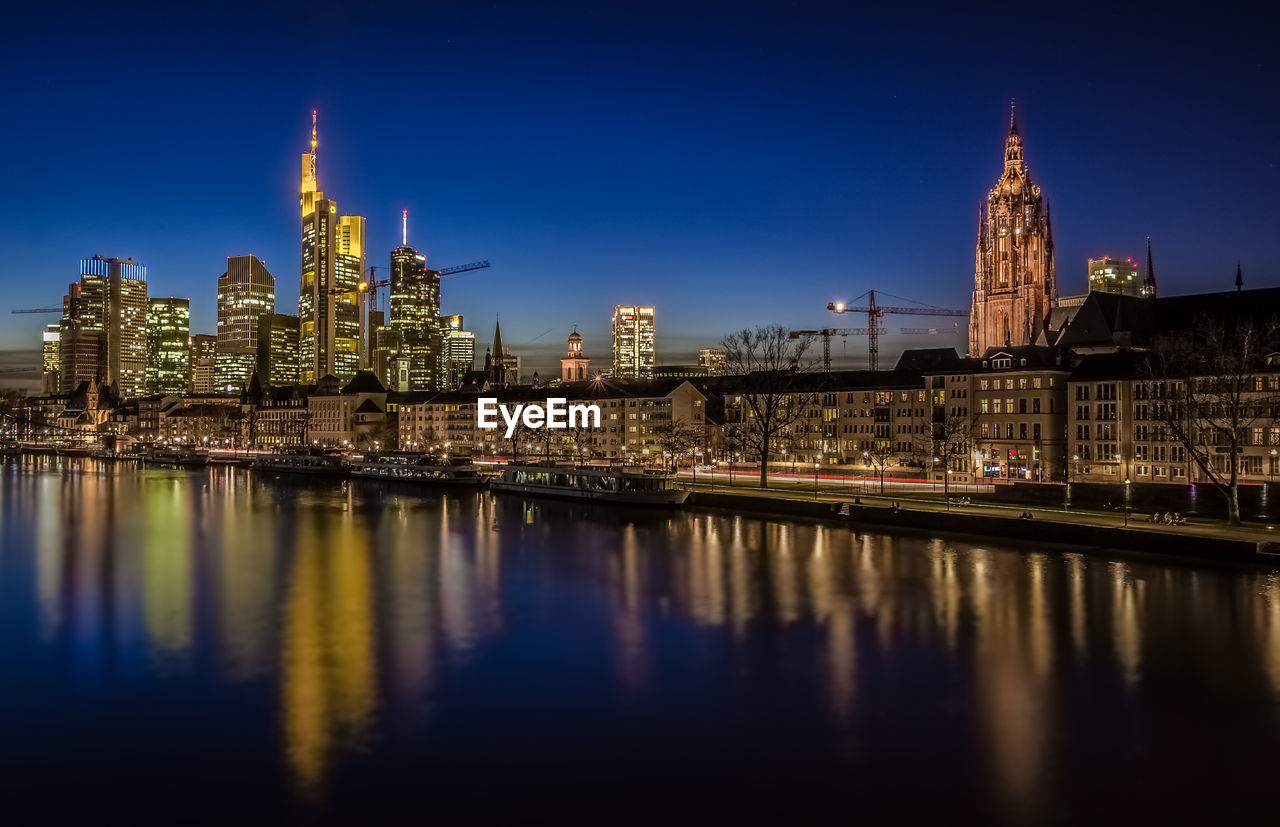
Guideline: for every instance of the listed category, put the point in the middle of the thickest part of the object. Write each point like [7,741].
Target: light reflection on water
[424,634]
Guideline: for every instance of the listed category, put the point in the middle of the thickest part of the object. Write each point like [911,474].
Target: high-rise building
[1111,275]
[329,296]
[278,349]
[459,351]
[52,352]
[168,354]
[1014,283]
[415,314]
[575,367]
[713,359]
[634,352]
[246,292]
[104,327]
[204,349]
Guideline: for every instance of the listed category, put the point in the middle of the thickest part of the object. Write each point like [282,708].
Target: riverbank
[1201,542]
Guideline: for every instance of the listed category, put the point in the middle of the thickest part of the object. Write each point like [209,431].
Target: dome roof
[574,337]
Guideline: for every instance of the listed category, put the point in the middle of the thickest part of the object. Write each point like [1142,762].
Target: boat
[414,468]
[614,485]
[307,461]
[181,457]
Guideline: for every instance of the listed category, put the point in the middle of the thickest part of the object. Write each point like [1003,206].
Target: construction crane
[827,333]
[373,284]
[57,309]
[875,313]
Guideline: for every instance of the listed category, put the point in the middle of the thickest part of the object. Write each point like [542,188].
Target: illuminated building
[103,330]
[245,292]
[415,315]
[278,349]
[333,265]
[459,351]
[713,359]
[634,354]
[203,355]
[52,352]
[1014,284]
[498,363]
[575,367]
[1110,275]
[168,355]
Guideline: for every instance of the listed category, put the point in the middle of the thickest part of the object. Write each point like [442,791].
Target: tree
[768,363]
[521,436]
[879,455]
[1206,391]
[678,439]
[581,441]
[946,440]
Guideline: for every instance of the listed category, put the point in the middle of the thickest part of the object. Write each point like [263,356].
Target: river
[220,645]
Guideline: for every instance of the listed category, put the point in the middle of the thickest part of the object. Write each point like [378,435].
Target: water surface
[217,645]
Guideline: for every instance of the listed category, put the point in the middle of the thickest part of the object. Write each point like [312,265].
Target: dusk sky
[731,164]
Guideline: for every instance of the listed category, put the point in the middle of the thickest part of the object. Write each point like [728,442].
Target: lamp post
[815,477]
[1126,502]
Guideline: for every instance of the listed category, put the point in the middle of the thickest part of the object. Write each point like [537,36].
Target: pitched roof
[365,381]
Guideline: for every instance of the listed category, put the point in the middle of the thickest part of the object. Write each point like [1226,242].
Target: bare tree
[879,455]
[943,442]
[768,364]
[1207,392]
[678,439]
[582,442]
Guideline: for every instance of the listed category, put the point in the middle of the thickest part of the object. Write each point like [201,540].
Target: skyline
[692,181]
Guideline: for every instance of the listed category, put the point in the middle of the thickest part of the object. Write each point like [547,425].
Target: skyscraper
[103,330]
[204,348]
[713,359]
[1111,275]
[245,292]
[278,349]
[634,352]
[415,314]
[1014,284]
[459,351]
[52,352]
[168,354]
[333,265]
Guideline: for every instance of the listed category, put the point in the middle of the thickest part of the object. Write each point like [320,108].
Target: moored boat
[183,457]
[317,462]
[414,468]
[615,485]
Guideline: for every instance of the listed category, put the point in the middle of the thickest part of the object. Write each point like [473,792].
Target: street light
[815,479]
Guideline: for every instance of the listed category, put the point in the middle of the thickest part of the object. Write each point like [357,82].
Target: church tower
[574,367]
[1014,286]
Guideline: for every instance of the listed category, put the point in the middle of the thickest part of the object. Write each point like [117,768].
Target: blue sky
[733,164]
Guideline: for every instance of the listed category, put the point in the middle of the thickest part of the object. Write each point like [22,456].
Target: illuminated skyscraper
[459,351]
[52,352]
[333,265]
[168,354]
[634,353]
[713,359]
[204,348]
[245,292]
[278,349]
[104,327]
[1110,275]
[415,315]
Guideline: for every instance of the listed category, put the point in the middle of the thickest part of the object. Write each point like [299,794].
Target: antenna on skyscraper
[313,144]
[404,228]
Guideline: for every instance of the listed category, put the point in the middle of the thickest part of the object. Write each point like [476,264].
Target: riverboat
[179,457]
[614,485]
[414,468]
[302,462]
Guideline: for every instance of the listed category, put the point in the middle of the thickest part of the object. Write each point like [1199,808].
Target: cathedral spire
[1239,277]
[1013,115]
[1149,283]
[1013,144]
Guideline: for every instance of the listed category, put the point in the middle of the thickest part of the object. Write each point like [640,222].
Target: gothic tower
[1014,286]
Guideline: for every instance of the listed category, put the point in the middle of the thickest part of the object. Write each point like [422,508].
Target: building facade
[51,357]
[168,355]
[459,351]
[713,359]
[634,342]
[246,291]
[333,267]
[575,367]
[204,350]
[1014,282]
[277,358]
[103,330]
[415,316]
[1111,275]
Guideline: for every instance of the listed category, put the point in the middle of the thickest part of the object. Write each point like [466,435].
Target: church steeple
[1149,283]
[1013,144]
[1239,278]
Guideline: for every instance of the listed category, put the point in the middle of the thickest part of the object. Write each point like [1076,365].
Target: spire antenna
[313,144]
[404,228]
